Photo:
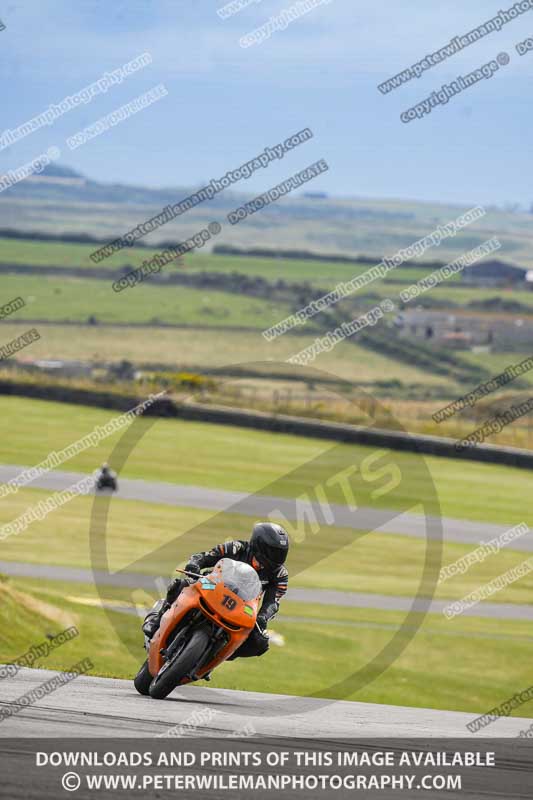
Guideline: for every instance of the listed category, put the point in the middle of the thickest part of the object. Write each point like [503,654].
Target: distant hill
[58,171]
[61,200]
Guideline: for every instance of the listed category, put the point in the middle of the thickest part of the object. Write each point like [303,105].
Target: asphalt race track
[104,707]
[329,597]
[257,505]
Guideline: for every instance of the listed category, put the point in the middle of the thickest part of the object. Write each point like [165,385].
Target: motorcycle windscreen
[240,578]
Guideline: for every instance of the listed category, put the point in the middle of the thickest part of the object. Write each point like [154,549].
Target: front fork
[219,639]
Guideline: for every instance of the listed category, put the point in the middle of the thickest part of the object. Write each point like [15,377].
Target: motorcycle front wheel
[184,662]
[143,679]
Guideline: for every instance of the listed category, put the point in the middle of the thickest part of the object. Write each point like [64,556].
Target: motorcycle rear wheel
[167,679]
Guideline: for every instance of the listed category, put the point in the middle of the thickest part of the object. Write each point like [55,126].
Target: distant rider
[107,479]
[266,552]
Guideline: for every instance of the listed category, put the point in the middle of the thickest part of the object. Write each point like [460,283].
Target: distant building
[466,331]
[493,273]
[69,369]
[456,340]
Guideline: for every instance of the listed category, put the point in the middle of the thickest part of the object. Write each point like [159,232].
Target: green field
[440,667]
[41,253]
[75,300]
[468,664]
[318,273]
[200,349]
[59,254]
[498,363]
[332,558]
[226,457]
[351,226]
[82,318]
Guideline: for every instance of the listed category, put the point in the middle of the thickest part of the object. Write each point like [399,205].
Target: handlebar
[194,575]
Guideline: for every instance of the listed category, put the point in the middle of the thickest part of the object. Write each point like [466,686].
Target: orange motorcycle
[205,625]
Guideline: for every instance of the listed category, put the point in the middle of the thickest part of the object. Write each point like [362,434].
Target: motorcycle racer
[107,479]
[266,552]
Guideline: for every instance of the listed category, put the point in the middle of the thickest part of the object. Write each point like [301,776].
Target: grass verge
[472,669]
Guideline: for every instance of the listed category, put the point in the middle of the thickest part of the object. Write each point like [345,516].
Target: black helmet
[269,544]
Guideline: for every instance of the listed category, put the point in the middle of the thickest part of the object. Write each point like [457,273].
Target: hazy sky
[226,103]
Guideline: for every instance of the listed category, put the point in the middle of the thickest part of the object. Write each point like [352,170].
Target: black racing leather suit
[274,587]
[107,479]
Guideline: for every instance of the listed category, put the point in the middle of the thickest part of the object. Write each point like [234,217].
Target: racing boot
[153,619]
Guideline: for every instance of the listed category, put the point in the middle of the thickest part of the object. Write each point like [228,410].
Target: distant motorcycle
[206,624]
[106,481]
